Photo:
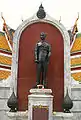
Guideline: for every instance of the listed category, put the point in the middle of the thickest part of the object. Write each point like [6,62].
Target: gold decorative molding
[75,61]
[5,60]
[77,45]
[4,74]
[40,107]
[76,76]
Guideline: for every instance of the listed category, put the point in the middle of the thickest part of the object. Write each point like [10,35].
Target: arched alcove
[23,65]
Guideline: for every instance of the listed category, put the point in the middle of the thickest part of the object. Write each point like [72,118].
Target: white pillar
[40,97]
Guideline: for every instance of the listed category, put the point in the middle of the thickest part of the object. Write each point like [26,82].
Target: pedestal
[17,115]
[42,100]
[63,116]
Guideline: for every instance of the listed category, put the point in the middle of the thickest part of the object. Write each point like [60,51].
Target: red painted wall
[27,66]
[40,113]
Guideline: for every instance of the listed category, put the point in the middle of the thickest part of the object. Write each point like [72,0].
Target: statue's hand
[36,61]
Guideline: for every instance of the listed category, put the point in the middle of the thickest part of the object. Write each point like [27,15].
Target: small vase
[67,103]
[12,103]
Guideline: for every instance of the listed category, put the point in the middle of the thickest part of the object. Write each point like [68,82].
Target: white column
[40,97]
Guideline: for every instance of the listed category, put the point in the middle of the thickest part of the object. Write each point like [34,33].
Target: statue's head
[42,36]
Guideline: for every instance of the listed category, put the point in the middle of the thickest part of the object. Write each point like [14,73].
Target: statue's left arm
[49,53]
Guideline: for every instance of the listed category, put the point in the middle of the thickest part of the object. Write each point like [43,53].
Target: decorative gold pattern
[40,107]
[77,45]
[75,61]
[5,60]
[3,43]
[4,74]
[76,76]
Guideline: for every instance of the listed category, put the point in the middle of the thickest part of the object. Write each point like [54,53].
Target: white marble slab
[20,115]
[41,91]
[63,116]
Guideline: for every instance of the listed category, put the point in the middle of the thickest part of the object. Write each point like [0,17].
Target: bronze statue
[42,55]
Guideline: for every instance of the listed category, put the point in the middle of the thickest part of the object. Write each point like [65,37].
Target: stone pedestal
[63,116]
[41,98]
[17,115]
[76,97]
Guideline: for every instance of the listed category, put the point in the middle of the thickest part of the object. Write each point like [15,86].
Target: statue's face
[42,36]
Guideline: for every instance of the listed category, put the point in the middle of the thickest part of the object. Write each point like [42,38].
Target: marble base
[40,97]
[17,115]
[77,116]
[76,98]
[55,116]
[62,116]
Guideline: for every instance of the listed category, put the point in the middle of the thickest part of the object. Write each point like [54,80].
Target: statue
[42,55]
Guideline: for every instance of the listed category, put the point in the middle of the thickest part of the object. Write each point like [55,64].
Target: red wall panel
[40,113]
[27,66]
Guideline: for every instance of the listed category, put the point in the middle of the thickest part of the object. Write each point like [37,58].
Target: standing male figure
[42,55]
